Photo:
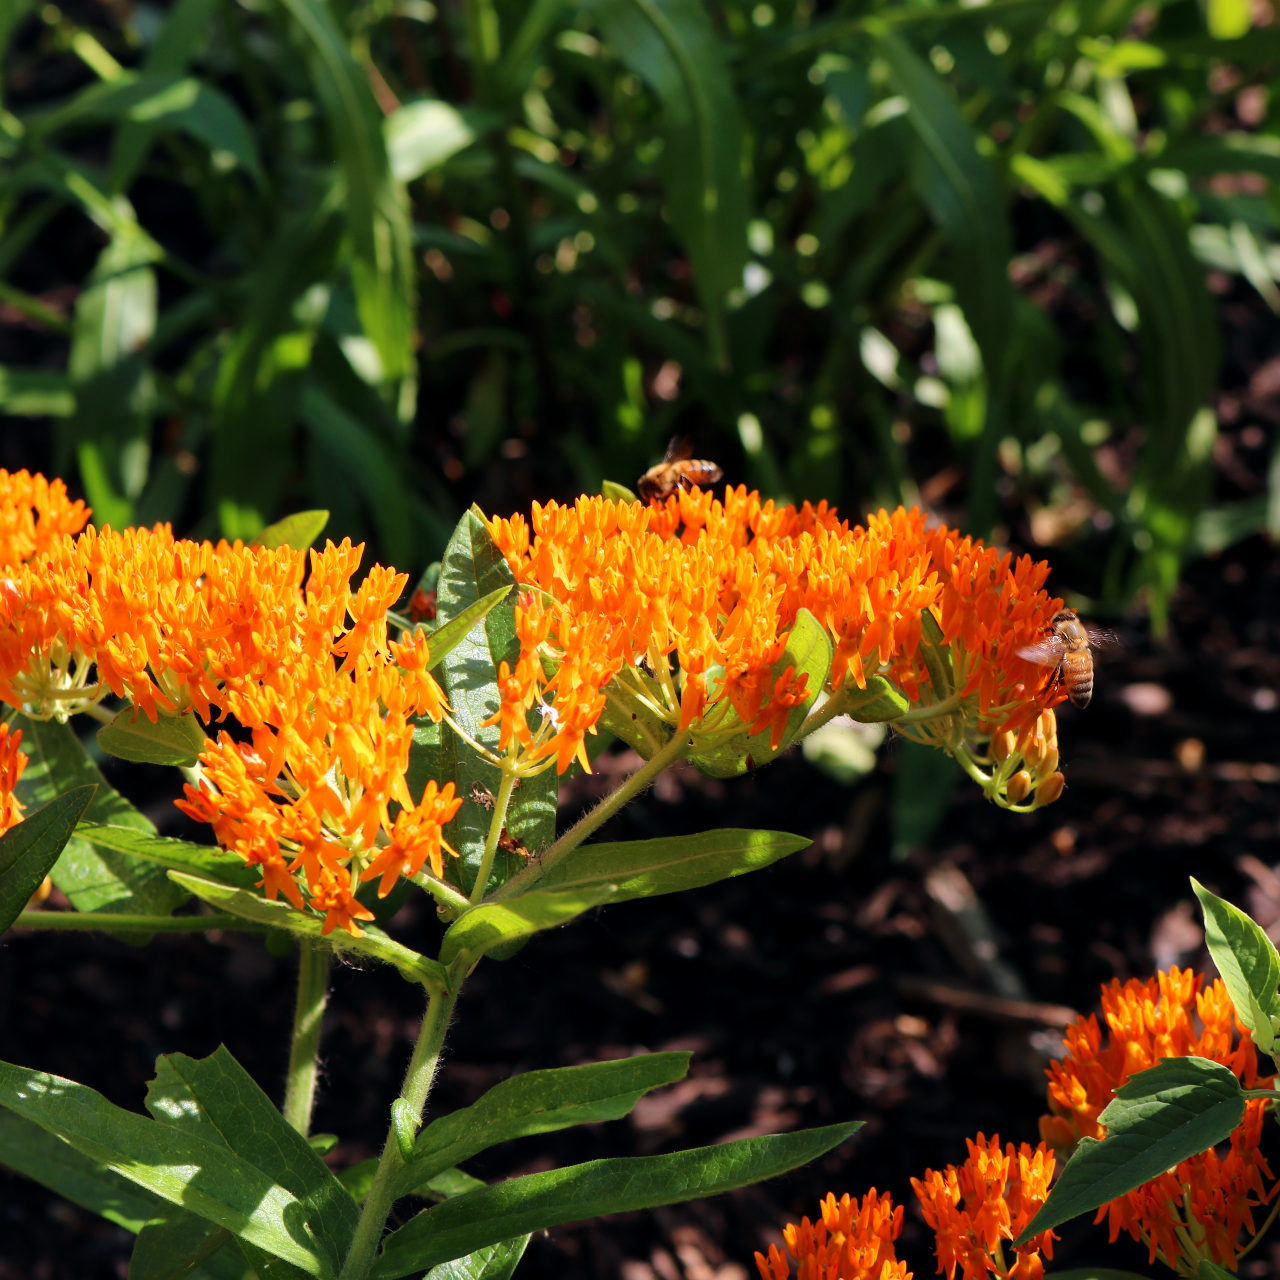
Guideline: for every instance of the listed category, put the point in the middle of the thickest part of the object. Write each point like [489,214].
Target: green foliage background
[385,257]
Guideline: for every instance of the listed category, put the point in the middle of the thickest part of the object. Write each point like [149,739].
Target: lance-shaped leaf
[94,879]
[539,1102]
[445,639]
[172,740]
[180,1168]
[205,860]
[646,868]
[215,1099]
[532,1203]
[28,1149]
[496,1262]
[809,652]
[174,1248]
[306,924]
[471,569]
[1159,1117]
[880,701]
[29,850]
[494,925]
[298,531]
[1248,962]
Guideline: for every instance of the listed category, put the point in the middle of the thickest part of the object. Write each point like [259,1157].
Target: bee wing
[678,449]
[1103,640]
[1046,652]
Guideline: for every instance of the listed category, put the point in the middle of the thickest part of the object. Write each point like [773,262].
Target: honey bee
[677,470]
[1069,648]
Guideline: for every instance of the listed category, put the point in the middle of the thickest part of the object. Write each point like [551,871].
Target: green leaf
[36,393]
[216,1100]
[376,205]
[175,740]
[1228,20]
[29,850]
[672,46]
[499,924]
[616,492]
[208,861]
[28,1149]
[172,1249]
[532,1203]
[422,135]
[178,1167]
[370,468]
[671,864]
[1248,962]
[444,640]
[471,569]
[94,879]
[165,101]
[937,657]
[307,924]
[881,700]
[809,651]
[298,531]
[539,1102]
[405,1126]
[496,1262]
[1158,1118]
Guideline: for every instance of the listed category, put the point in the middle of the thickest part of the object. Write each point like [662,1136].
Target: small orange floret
[1212,1194]
[851,1240]
[977,1209]
[12,763]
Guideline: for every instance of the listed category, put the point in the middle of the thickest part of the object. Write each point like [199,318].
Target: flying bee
[1069,649]
[679,469]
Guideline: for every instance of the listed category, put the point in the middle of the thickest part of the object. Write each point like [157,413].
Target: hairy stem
[313,993]
[636,783]
[103,923]
[500,805]
[416,1087]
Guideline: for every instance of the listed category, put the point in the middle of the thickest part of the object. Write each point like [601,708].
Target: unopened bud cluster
[1024,773]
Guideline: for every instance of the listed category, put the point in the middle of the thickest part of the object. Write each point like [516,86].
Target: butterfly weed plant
[344,758]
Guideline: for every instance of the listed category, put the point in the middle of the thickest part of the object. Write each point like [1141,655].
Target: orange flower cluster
[12,763]
[621,587]
[1210,1198]
[850,1241]
[974,1209]
[34,514]
[326,699]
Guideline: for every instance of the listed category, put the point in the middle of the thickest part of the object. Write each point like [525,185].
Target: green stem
[445,894]
[308,1016]
[98,712]
[540,865]
[500,806]
[416,1087]
[103,923]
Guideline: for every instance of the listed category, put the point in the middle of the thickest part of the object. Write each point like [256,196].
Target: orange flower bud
[1050,762]
[1018,788]
[1034,751]
[1003,746]
[1051,788]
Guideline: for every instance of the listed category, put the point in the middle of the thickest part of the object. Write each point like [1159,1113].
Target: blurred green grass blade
[517,61]
[376,205]
[33,393]
[12,13]
[370,466]
[165,101]
[259,376]
[185,31]
[672,46]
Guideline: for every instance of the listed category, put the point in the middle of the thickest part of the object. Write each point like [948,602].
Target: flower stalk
[415,1090]
[496,826]
[314,959]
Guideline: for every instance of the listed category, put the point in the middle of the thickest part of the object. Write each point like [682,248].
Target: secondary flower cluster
[323,696]
[1199,1208]
[621,589]
[12,763]
[35,513]
[975,1211]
